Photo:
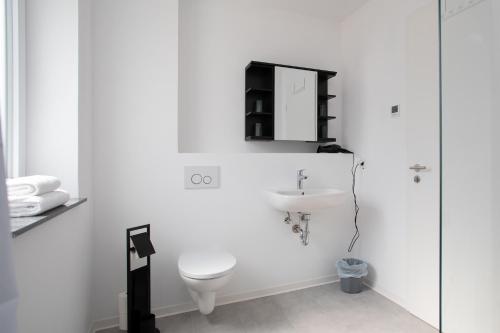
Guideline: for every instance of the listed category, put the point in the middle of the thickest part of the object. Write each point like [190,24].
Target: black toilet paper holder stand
[139,316]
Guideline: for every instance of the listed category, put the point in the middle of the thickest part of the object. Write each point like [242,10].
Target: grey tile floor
[319,309]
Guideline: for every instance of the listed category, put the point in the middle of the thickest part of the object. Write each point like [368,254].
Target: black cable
[354,169]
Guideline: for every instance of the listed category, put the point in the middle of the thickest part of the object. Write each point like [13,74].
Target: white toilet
[204,274]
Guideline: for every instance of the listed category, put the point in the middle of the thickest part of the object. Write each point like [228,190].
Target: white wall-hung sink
[305,201]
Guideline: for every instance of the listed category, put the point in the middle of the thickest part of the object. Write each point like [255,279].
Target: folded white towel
[38,204]
[24,187]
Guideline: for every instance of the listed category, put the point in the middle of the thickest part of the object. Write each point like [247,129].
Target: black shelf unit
[323,108]
[259,85]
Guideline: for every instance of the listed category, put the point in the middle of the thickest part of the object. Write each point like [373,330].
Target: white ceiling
[326,9]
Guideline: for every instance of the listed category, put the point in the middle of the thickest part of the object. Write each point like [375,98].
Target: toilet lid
[206,265]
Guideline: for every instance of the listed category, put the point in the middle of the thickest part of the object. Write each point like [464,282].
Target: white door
[421,112]
[295,109]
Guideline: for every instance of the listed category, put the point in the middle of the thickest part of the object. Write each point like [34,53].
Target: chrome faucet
[300,178]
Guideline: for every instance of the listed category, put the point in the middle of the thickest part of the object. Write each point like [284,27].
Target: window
[12,85]
[3,76]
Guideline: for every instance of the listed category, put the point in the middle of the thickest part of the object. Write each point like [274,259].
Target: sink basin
[307,200]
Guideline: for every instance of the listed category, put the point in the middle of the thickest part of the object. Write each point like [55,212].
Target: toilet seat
[206,265]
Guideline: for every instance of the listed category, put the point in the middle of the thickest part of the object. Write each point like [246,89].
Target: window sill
[19,225]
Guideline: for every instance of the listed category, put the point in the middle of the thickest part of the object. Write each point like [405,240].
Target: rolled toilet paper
[136,255]
[122,310]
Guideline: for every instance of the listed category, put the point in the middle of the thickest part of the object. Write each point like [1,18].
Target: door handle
[417,167]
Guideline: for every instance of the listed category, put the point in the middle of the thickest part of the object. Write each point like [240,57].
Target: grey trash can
[351,272]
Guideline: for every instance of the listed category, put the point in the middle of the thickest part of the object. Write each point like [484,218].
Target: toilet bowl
[204,273]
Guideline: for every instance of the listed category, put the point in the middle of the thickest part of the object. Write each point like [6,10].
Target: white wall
[52,263]
[52,90]
[495,184]
[217,39]
[375,70]
[138,174]
[8,291]
[470,161]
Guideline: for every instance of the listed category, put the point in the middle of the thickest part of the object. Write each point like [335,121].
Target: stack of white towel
[33,195]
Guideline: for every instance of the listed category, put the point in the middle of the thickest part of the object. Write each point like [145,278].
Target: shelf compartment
[267,128]
[251,103]
[259,78]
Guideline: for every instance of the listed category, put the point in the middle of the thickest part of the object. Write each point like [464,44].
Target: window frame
[15,66]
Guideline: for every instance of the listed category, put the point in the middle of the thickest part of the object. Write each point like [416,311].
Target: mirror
[295,116]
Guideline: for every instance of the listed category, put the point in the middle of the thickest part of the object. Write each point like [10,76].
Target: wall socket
[201,177]
[361,162]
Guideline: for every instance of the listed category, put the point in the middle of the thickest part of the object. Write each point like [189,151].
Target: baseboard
[222,300]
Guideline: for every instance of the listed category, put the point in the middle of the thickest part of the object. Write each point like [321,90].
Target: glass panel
[470,156]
